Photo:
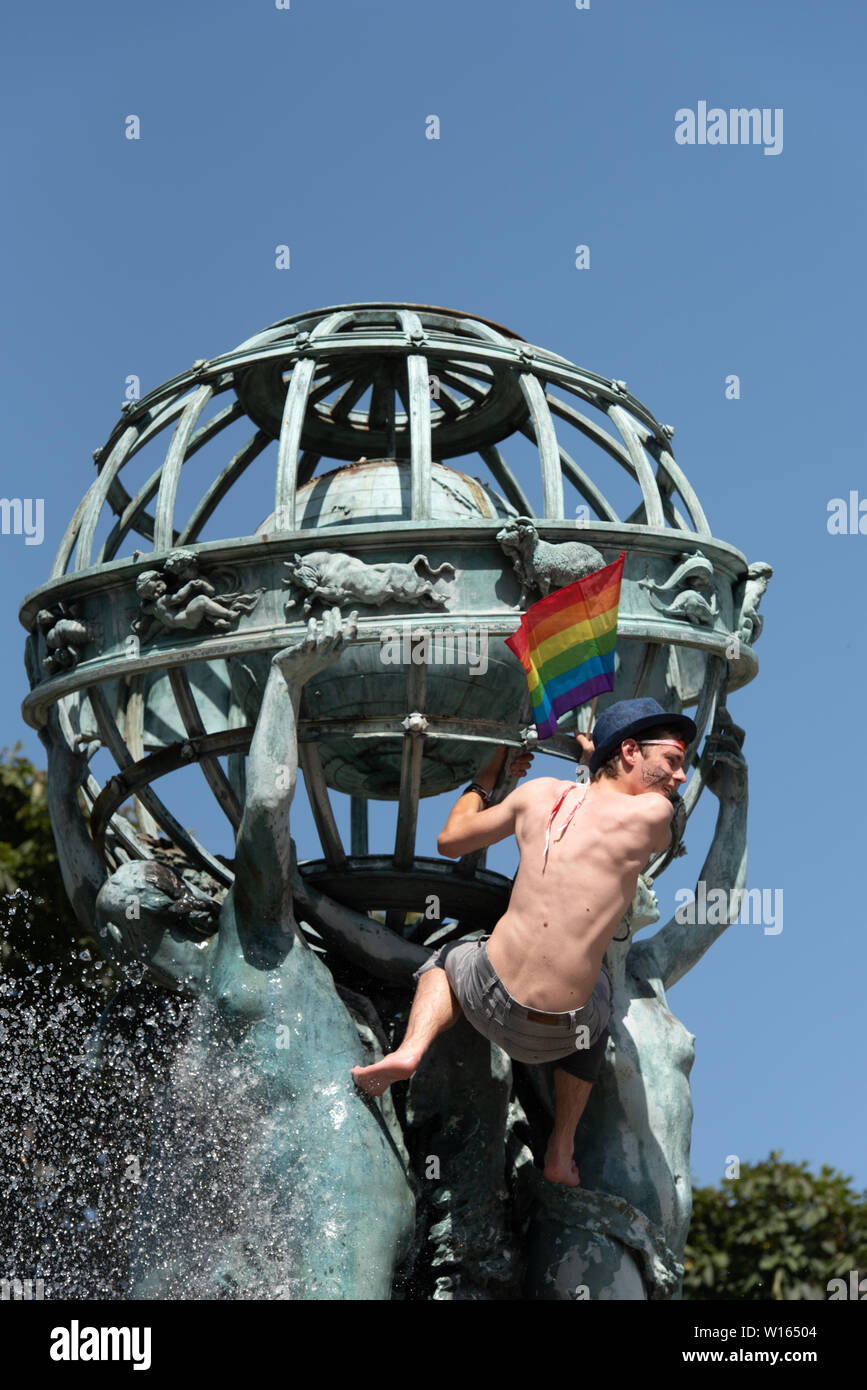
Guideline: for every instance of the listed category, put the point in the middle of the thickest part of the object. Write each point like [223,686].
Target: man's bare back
[548,946]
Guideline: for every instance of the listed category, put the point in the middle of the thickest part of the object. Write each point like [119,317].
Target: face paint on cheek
[651,777]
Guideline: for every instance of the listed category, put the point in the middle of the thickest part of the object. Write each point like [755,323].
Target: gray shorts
[574,1040]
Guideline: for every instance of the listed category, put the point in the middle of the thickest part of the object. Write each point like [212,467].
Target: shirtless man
[536,986]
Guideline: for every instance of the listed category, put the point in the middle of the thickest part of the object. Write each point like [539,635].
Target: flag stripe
[555,654]
[566,679]
[576,611]
[543,695]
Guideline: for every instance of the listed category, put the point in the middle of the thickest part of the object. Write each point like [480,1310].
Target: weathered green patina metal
[357,631]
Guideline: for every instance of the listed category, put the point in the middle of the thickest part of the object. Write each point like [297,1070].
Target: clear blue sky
[306,126]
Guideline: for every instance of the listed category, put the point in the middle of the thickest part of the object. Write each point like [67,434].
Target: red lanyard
[568,820]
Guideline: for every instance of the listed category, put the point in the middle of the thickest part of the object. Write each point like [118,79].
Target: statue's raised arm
[679,944]
[262,890]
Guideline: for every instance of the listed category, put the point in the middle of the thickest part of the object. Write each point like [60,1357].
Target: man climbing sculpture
[536,985]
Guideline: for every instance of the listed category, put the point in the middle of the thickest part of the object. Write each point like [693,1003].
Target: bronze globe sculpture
[155,636]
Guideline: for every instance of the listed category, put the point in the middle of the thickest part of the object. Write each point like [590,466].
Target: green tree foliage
[38,929]
[775,1232]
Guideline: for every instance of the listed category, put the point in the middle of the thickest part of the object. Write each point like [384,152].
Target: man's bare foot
[397,1066]
[561,1168]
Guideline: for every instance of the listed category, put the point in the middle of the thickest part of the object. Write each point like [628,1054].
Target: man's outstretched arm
[470,826]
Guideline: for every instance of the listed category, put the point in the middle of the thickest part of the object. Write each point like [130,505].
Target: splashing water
[76,1114]
[153,1146]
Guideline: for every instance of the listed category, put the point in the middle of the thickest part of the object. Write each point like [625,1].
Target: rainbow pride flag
[566,645]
